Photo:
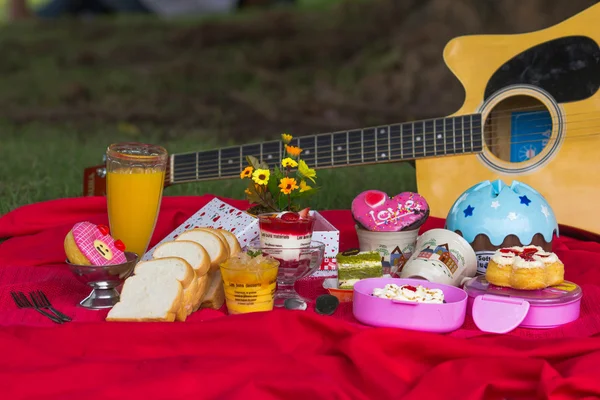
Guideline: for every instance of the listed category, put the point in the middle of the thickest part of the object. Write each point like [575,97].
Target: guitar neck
[389,143]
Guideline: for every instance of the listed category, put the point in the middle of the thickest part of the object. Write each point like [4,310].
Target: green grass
[38,167]
[69,89]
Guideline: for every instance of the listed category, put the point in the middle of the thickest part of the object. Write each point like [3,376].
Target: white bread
[232,240]
[221,236]
[194,253]
[173,269]
[211,242]
[196,256]
[215,294]
[146,298]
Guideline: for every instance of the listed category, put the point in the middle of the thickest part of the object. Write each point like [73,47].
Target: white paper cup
[441,256]
[395,247]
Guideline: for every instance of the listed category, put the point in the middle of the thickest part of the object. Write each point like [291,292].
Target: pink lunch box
[498,309]
[379,312]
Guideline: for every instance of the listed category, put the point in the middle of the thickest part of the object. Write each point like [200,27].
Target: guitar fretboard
[389,143]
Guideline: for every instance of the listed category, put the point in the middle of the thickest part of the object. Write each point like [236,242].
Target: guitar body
[550,78]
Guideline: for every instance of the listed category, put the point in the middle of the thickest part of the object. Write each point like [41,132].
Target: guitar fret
[382,152]
[208,164]
[453,136]
[429,138]
[362,147]
[471,124]
[316,152]
[419,149]
[407,137]
[184,167]
[389,140]
[229,162]
[476,126]
[458,130]
[412,134]
[369,145]
[271,153]
[340,150]
[355,147]
[395,142]
[197,164]
[434,139]
[466,126]
[307,144]
[324,156]
[219,163]
[332,149]
[348,148]
[440,137]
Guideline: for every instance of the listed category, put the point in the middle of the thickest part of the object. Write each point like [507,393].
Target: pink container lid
[499,309]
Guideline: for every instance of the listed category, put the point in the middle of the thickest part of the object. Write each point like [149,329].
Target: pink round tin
[498,309]
[375,311]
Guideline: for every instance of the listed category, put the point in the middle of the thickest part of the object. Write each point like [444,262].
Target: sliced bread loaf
[196,256]
[146,298]
[177,269]
[232,240]
[211,242]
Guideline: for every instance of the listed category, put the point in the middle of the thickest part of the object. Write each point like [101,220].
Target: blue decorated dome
[498,210]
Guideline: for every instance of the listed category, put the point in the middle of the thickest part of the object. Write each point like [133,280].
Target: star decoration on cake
[525,200]
[545,211]
[460,200]
[512,216]
[468,211]
[495,204]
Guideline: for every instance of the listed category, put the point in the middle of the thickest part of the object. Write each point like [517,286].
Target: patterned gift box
[218,214]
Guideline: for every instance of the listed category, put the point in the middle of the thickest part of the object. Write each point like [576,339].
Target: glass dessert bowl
[104,279]
[294,263]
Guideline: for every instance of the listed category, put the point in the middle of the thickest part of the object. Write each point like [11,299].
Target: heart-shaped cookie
[375,211]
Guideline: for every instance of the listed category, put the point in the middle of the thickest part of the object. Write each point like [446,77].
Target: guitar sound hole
[518,129]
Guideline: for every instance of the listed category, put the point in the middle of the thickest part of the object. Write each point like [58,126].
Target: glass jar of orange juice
[135,176]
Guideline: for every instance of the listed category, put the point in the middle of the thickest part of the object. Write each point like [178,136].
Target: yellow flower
[289,162]
[246,173]
[304,187]
[293,150]
[286,138]
[306,172]
[287,185]
[261,176]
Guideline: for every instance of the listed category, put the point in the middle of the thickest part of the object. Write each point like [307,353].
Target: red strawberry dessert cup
[286,229]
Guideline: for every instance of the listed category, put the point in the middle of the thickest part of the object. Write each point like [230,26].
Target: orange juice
[133,196]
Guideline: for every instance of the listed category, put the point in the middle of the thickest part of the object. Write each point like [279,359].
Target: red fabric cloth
[280,354]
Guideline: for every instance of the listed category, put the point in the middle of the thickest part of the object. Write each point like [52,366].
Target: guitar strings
[369,149]
[232,171]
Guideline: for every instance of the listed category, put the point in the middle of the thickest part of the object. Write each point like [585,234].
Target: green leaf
[254,253]
[255,163]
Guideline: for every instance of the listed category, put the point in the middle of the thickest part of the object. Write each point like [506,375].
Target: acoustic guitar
[531,113]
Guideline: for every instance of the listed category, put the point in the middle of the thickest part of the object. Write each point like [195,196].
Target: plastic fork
[23,302]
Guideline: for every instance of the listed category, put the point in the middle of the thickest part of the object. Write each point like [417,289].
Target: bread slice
[195,255]
[211,242]
[232,240]
[192,252]
[215,294]
[177,269]
[146,298]
[221,236]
